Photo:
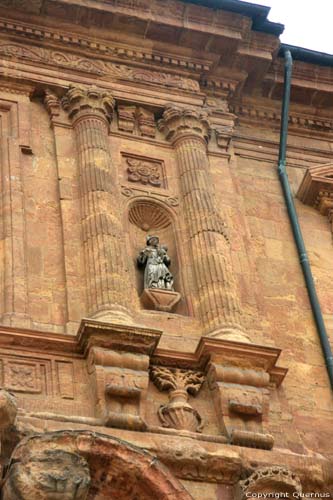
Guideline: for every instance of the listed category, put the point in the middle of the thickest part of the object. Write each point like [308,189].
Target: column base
[230,332]
[114,314]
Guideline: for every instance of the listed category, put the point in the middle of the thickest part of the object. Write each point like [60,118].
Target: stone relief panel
[144,171]
[136,120]
[178,412]
[26,375]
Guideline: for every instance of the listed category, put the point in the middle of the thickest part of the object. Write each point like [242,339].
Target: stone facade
[126,119]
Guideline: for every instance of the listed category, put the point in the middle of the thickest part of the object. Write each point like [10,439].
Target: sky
[308,23]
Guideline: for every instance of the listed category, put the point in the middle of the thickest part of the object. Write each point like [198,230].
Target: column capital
[178,122]
[80,101]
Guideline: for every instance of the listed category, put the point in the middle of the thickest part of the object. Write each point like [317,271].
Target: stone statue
[154,258]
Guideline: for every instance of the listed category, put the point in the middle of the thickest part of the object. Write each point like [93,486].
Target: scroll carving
[96,66]
[178,413]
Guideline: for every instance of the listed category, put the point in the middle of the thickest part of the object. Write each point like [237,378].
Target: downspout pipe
[303,257]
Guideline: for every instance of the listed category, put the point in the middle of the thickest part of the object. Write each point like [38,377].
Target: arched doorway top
[117,468]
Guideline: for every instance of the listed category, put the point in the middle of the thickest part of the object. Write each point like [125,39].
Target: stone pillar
[90,110]
[217,303]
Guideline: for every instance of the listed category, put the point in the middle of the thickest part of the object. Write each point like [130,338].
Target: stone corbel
[118,363]
[316,189]
[239,377]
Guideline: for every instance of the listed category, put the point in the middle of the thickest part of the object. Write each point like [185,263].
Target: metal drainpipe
[318,316]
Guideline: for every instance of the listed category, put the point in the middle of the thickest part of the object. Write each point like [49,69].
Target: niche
[145,218]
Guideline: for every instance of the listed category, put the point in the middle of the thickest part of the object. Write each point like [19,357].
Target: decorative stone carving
[241,399]
[52,103]
[178,413]
[88,100]
[274,479]
[137,119]
[47,474]
[147,216]
[223,136]
[146,122]
[144,172]
[133,192]
[217,302]
[118,363]
[126,118]
[117,469]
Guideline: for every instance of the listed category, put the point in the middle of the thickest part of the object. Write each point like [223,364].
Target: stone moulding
[74,464]
[316,189]
[94,66]
[240,377]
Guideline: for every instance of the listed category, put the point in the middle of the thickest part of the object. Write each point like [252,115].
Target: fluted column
[90,111]
[217,303]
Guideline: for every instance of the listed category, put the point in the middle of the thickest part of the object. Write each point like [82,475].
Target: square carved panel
[144,171]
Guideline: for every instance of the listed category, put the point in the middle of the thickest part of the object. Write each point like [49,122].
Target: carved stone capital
[269,480]
[180,122]
[85,101]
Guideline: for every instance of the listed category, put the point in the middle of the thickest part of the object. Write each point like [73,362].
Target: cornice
[251,113]
[115,51]
[91,65]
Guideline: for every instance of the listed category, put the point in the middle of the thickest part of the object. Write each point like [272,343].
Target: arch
[117,469]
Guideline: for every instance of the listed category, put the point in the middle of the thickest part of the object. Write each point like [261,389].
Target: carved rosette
[274,479]
[178,413]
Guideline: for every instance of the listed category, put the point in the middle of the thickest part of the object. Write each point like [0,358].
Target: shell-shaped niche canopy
[147,216]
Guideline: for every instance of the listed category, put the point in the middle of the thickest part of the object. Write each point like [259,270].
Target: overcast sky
[308,23]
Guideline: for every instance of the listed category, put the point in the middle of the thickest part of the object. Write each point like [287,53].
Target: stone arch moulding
[316,189]
[85,465]
[149,216]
